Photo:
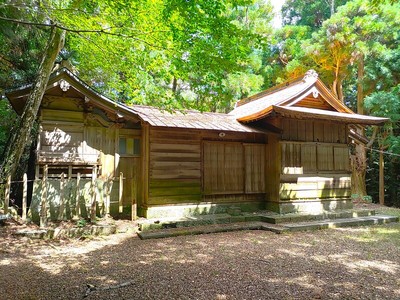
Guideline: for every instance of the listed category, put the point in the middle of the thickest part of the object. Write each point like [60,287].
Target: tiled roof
[190,119]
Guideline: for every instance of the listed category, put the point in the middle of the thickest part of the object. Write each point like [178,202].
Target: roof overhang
[319,114]
[19,96]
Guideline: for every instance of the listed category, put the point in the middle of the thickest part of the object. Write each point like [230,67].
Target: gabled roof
[300,98]
[17,97]
[190,119]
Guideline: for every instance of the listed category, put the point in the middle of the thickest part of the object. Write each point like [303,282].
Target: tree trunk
[21,137]
[381,178]
[359,162]
[358,167]
[360,87]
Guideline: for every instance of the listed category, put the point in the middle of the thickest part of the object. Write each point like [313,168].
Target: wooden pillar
[108,192]
[7,194]
[43,208]
[93,203]
[381,178]
[134,199]
[62,198]
[121,189]
[24,196]
[144,178]
[77,196]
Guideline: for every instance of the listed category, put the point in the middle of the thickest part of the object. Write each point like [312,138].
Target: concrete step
[268,217]
[204,229]
[344,222]
[298,217]
[167,223]
[277,228]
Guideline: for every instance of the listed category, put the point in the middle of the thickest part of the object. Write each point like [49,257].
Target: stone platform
[160,228]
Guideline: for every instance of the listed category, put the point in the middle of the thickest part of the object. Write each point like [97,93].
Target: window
[129,146]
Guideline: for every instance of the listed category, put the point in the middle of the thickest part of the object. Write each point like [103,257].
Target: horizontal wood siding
[314,170]
[310,187]
[174,167]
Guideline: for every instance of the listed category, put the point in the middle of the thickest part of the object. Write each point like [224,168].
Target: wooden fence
[62,215]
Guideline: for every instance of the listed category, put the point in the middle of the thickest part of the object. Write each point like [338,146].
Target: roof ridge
[269,91]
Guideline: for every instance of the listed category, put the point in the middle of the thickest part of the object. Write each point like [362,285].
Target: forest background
[206,55]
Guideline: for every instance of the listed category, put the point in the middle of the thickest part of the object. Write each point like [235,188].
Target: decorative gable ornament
[64,85]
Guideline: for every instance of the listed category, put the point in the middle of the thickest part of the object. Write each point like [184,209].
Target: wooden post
[7,194]
[121,188]
[381,178]
[62,204]
[108,192]
[93,204]
[134,197]
[43,208]
[24,196]
[77,206]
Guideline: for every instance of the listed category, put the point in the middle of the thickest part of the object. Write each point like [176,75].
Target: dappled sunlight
[378,265]
[294,253]
[307,265]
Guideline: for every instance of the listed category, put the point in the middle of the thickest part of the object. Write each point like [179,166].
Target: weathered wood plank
[172,174]
[294,178]
[309,157]
[341,158]
[309,128]
[175,191]
[168,165]
[254,168]
[171,156]
[318,131]
[310,194]
[177,199]
[173,183]
[71,116]
[325,157]
[156,147]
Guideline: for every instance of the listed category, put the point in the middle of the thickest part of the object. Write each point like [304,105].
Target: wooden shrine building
[285,149]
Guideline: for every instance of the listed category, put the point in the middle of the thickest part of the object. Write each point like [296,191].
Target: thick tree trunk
[358,167]
[21,137]
[360,87]
[359,162]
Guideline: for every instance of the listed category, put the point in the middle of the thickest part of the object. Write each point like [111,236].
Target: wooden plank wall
[178,158]
[174,166]
[70,136]
[313,131]
[314,161]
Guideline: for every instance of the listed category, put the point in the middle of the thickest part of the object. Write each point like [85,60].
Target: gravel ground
[356,263]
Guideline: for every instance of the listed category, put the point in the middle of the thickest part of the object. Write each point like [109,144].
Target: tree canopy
[208,54]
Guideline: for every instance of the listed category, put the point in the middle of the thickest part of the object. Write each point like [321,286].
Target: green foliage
[7,117]
[308,12]
[386,104]
[20,46]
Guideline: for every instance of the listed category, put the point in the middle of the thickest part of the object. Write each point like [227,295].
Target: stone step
[204,229]
[165,223]
[344,222]
[295,218]
[277,228]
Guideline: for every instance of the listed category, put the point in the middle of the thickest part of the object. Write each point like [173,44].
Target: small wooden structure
[285,149]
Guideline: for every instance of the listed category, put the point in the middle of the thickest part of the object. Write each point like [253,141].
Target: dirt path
[357,263]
